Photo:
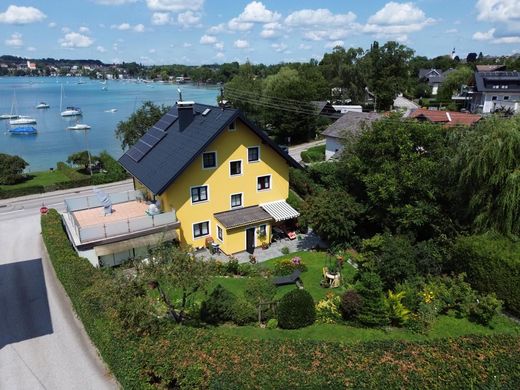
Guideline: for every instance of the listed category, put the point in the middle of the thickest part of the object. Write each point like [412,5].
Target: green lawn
[44,178]
[444,327]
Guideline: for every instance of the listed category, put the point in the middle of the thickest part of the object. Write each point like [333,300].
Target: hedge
[71,173]
[314,154]
[22,191]
[492,264]
[192,358]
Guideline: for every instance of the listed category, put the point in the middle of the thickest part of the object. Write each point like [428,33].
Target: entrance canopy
[280,210]
[241,217]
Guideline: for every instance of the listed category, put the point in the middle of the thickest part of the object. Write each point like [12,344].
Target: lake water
[54,142]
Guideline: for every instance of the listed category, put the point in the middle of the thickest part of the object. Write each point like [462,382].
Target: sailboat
[70,110]
[79,126]
[19,119]
[42,105]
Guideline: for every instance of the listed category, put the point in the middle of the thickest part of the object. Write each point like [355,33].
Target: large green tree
[454,81]
[81,158]
[11,168]
[128,132]
[488,159]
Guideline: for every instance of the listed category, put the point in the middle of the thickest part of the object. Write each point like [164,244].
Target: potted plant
[263,240]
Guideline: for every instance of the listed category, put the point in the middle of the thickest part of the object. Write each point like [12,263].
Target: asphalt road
[42,344]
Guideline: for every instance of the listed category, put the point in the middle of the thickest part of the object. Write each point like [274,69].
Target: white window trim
[241,168]
[222,230]
[259,157]
[200,201]
[270,183]
[193,230]
[241,200]
[216,159]
[234,123]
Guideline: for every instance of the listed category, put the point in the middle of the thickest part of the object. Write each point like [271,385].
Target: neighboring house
[434,78]
[225,179]
[350,123]
[325,108]
[495,90]
[448,118]
[490,68]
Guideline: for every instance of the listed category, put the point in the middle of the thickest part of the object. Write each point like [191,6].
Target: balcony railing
[88,202]
[123,227]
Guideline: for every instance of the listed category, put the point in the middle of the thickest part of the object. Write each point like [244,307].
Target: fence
[92,201]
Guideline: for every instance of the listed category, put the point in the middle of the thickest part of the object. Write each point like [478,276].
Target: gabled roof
[324,107]
[350,122]
[488,81]
[448,118]
[164,152]
[424,72]
[490,68]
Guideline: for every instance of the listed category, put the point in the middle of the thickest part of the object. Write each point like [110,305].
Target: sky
[214,31]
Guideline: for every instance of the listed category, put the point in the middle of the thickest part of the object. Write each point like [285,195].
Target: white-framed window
[262,230]
[232,126]
[200,229]
[235,168]
[209,160]
[236,200]
[199,194]
[253,154]
[220,234]
[263,183]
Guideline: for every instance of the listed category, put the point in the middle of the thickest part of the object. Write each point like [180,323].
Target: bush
[259,290]
[314,154]
[272,324]
[219,307]
[492,264]
[232,266]
[451,293]
[296,310]
[244,312]
[71,173]
[350,305]
[22,191]
[373,311]
[287,267]
[113,170]
[327,310]
[423,319]
[484,309]
[301,183]
[285,251]
[398,313]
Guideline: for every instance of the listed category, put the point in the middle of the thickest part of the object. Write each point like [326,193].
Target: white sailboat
[70,110]
[42,105]
[19,119]
[79,126]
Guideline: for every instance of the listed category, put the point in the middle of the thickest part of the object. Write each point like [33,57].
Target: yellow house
[226,180]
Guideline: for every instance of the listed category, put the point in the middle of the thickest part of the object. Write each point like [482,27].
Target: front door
[250,240]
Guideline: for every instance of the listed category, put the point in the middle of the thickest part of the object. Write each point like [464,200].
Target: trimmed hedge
[22,191]
[492,264]
[314,154]
[181,357]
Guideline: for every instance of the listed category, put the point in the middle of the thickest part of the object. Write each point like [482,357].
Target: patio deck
[120,212]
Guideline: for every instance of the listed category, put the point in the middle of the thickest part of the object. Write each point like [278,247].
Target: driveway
[42,344]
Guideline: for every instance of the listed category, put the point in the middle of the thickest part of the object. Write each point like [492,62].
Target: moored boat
[23,130]
[42,105]
[79,126]
[22,120]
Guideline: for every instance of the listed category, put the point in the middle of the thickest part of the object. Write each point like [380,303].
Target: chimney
[186,114]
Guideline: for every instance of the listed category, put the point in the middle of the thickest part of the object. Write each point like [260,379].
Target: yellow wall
[230,145]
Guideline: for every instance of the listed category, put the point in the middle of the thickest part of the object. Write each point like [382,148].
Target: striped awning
[280,210]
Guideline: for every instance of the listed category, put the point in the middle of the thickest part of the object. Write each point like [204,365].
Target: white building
[496,90]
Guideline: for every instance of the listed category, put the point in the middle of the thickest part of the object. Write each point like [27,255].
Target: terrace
[88,225]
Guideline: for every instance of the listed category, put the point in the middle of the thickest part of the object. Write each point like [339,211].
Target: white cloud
[491,36]
[122,26]
[188,18]
[161,18]
[238,25]
[498,10]
[220,56]
[271,30]
[152,51]
[219,45]
[15,40]
[31,48]
[187,44]
[279,47]
[115,2]
[217,29]
[101,49]
[241,44]
[484,36]
[303,46]
[175,5]
[21,15]
[256,12]
[65,29]
[84,29]
[318,17]
[52,24]
[396,21]
[139,28]
[208,39]
[74,39]
[332,45]
[397,14]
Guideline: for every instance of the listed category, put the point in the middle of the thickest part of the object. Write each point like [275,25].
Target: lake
[54,142]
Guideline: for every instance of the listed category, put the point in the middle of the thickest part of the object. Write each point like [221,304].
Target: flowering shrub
[327,310]
[296,260]
[287,267]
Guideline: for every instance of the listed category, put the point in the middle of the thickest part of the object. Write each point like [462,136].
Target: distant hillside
[7,59]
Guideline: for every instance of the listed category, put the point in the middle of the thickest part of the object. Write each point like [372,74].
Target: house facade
[434,78]
[496,90]
[225,179]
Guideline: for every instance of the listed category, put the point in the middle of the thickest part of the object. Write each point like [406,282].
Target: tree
[333,214]
[180,269]
[80,158]
[129,131]
[471,57]
[454,81]
[373,311]
[488,159]
[11,168]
